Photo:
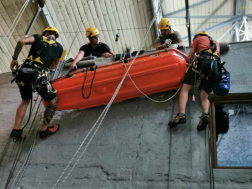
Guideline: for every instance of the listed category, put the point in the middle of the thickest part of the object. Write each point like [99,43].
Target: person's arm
[159,46]
[180,42]
[179,39]
[55,64]
[191,54]
[111,52]
[78,57]
[19,46]
[108,51]
[107,54]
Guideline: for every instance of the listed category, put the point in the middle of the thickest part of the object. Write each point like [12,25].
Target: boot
[17,134]
[204,120]
[49,131]
[179,119]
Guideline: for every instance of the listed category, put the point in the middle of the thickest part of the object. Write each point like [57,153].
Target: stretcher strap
[91,85]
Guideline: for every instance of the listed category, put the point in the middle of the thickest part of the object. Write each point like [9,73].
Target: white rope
[15,22]
[78,27]
[13,26]
[103,114]
[24,166]
[163,101]
[26,161]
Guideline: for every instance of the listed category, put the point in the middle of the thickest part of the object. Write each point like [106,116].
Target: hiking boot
[17,134]
[204,120]
[179,119]
[49,131]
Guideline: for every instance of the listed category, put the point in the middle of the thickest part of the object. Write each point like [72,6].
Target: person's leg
[20,113]
[49,113]
[204,101]
[52,100]
[183,97]
[206,88]
[189,80]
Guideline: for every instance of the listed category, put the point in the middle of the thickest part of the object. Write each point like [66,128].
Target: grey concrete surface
[133,149]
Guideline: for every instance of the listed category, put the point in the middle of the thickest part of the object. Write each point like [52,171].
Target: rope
[16,20]
[78,27]
[76,33]
[103,114]
[18,154]
[13,26]
[24,166]
[210,166]
[147,95]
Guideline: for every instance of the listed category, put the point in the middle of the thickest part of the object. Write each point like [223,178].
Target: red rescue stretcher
[152,72]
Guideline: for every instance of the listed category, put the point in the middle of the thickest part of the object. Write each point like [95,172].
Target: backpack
[221,120]
[223,84]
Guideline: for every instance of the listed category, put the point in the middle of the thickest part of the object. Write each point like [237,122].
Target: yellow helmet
[164,24]
[92,31]
[200,33]
[50,28]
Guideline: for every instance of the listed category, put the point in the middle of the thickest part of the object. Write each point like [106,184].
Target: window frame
[233,98]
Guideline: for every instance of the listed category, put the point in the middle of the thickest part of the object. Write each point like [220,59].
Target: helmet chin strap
[50,35]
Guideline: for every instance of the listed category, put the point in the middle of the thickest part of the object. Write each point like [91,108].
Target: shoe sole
[15,139]
[175,123]
[43,137]
[203,125]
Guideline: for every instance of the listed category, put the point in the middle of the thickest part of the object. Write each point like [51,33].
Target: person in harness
[208,52]
[45,53]
[93,47]
[169,37]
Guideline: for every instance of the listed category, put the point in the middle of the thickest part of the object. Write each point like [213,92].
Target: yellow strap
[199,72]
[30,58]
[63,55]
[49,42]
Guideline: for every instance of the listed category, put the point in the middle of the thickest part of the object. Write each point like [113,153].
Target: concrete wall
[134,148]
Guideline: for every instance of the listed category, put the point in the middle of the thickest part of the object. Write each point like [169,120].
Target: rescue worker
[45,53]
[201,45]
[169,37]
[93,47]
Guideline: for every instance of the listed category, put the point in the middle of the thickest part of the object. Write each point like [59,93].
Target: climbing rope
[6,38]
[163,101]
[103,114]
[18,154]
[210,164]
[15,22]
[24,166]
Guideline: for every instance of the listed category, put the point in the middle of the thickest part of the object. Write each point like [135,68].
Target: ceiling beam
[204,17]
[217,26]
[183,9]
[33,21]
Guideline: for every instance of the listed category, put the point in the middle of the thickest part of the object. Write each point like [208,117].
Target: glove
[174,46]
[167,43]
